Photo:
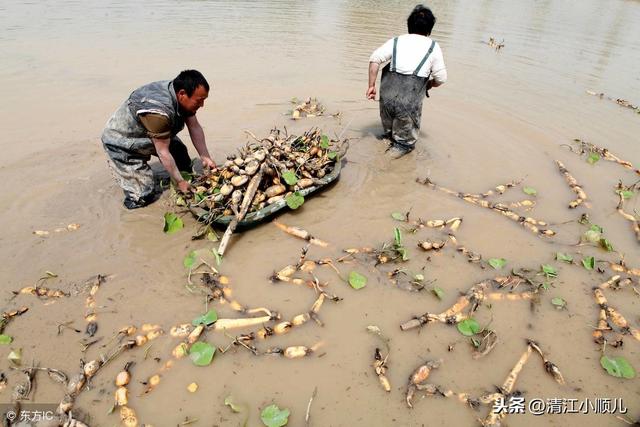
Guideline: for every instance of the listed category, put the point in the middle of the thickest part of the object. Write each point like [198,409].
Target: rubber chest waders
[401,98]
[129,147]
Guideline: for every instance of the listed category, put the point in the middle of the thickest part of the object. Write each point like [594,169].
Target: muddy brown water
[502,115]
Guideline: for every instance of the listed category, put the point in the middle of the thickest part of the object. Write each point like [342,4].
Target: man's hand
[197,137]
[169,163]
[371,92]
[207,162]
[184,186]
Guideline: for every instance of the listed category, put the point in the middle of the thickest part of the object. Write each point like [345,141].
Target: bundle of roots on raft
[531,224]
[573,184]
[610,320]
[468,303]
[584,147]
[288,163]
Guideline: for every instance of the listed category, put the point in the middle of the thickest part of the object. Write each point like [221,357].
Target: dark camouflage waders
[401,98]
[129,147]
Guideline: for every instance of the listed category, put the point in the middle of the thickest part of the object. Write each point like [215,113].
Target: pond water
[503,115]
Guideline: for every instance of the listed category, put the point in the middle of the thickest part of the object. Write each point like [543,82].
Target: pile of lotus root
[288,163]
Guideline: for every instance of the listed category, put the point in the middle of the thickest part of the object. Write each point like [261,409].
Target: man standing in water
[416,66]
[147,124]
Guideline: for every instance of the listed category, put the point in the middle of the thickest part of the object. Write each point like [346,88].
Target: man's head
[421,21]
[191,90]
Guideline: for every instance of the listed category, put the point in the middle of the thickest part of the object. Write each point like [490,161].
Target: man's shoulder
[160,91]
[154,97]
[417,38]
[159,85]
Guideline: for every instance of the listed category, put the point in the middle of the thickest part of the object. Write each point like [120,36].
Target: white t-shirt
[410,50]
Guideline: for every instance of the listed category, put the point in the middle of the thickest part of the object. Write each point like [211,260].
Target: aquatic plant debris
[357,280]
[573,184]
[621,102]
[618,367]
[530,224]
[609,317]
[493,43]
[45,233]
[301,234]
[623,194]
[468,327]
[380,367]
[584,147]
[273,416]
[172,223]
[497,263]
[311,107]
[471,300]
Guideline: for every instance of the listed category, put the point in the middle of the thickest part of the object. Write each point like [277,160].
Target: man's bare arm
[373,75]
[197,137]
[162,148]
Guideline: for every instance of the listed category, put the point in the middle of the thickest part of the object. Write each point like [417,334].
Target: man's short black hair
[421,21]
[189,80]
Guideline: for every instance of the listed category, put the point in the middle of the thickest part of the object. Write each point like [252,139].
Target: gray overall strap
[393,56]
[433,43]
